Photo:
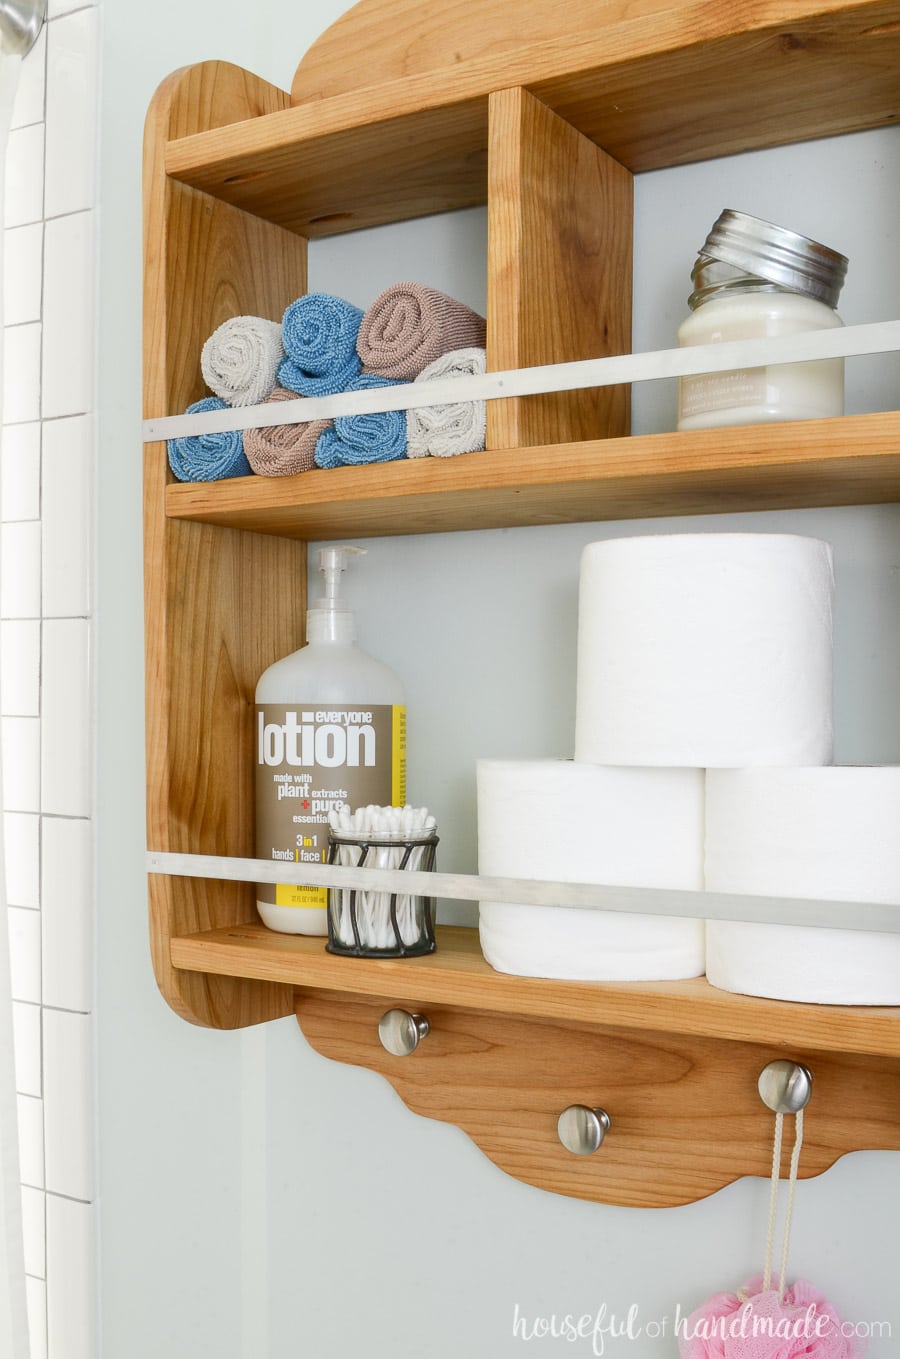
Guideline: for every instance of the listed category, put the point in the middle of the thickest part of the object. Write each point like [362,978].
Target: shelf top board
[841,461]
[457,974]
[654,85]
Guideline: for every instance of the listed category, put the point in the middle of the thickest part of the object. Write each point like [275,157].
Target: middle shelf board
[457,975]
[851,460]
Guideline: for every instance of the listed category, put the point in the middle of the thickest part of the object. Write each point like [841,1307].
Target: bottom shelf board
[457,975]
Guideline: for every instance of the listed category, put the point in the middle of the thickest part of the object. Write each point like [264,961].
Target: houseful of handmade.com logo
[605,1329]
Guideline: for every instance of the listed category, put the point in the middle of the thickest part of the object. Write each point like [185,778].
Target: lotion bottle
[330,730]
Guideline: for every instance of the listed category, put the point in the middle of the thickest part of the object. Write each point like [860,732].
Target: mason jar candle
[752,278]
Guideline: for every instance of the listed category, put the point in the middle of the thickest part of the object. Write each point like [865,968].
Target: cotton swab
[373,914]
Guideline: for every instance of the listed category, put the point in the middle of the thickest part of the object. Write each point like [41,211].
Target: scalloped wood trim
[686,1116]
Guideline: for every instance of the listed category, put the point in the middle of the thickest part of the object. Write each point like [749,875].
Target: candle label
[721,391]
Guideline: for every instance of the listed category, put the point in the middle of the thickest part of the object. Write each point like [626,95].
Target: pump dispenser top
[327,618]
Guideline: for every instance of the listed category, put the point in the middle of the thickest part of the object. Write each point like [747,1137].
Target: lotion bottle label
[311,761]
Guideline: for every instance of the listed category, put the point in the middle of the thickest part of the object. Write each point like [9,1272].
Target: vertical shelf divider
[560,229]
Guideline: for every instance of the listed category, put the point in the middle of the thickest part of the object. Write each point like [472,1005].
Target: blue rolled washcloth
[319,336]
[356,439]
[208,457]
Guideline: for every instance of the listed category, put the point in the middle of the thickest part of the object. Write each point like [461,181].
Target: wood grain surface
[219,605]
[854,460]
[651,85]
[686,1117]
[457,975]
[560,227]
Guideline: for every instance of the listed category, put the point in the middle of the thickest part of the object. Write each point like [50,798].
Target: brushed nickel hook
[785,1087]
[401,1032]
[582,1129]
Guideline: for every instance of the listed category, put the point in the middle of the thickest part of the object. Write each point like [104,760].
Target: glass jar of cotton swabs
[381,923]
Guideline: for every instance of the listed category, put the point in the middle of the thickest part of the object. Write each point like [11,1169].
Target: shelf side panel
[219,605]
[560,215]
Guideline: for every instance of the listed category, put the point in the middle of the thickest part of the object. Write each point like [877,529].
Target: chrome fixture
[20,23]
[581,1130]
[785,1087]
[401,1032]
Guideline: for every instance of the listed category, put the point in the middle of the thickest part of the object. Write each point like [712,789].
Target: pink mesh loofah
[754,1324]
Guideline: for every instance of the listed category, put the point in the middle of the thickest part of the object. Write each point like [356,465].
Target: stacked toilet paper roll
[710,650]
[562,821]
[827,833]
[695,652]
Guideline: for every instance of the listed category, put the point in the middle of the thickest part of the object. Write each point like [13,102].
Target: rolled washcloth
[319,334]
[208,457]
[282,450]
[458,427]
[239,361]
[359,439]
[410,325]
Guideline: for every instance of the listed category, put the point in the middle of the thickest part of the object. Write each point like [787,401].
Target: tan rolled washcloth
[409,325]
[282,450]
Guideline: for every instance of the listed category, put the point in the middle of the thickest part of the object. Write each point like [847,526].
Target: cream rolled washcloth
[239,361]
[282,450]
[459,426]
[410,325]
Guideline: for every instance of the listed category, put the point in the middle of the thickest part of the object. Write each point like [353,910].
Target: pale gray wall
[257,1201]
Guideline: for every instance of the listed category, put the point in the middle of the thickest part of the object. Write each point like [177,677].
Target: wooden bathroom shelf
[854,460]
[543,114]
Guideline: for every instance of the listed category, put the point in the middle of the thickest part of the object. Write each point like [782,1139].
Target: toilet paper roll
[565,822]
[705,650]
[830,834]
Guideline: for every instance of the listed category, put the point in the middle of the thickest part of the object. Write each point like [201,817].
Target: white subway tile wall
[22,250]
[29,105]
[67,376]
[20,472]
[71,1279]
[20,570]
[34,1231]
[20,667]
[67,914]
[68,1104]
[23,859]
[65,717]
[27,1040]
[25,954]
[72,53]
[36,1300]
[21,737]
[24,199]
[66,516]
[22,372]
[31,1140]
[47,456]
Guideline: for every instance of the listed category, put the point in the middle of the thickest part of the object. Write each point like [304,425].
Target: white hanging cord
[789,1212]
[773,1200]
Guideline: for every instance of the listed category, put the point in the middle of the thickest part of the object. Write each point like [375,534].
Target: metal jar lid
[777,255]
